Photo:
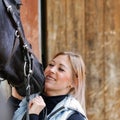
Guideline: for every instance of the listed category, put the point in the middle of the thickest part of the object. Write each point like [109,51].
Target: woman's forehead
[62,60]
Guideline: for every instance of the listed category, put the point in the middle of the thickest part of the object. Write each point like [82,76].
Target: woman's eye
[51,64]
[60,69]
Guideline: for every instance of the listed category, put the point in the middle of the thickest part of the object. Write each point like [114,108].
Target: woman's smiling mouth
[49,78]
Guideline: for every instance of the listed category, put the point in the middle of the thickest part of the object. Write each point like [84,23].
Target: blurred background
[88,27]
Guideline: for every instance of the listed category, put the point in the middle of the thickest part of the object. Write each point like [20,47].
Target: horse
[18,64]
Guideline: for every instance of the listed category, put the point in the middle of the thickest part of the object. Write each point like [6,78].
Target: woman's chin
[48,85]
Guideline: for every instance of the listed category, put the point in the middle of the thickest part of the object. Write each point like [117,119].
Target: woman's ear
[75,81]
[70,86]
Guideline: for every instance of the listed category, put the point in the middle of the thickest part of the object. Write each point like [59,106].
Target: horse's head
[11,51]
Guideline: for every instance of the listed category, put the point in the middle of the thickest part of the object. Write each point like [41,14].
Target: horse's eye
[18,4]
[18,7]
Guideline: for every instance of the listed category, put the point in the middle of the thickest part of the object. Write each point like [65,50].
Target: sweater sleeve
[13,104]
[76,116]
[34,117]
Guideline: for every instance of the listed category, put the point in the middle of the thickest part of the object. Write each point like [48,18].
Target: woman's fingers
[36,105]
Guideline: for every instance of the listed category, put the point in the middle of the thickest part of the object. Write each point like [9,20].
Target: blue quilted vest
[62,110]
[65,109]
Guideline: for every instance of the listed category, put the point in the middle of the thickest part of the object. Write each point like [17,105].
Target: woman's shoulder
[74,105]
[70,108]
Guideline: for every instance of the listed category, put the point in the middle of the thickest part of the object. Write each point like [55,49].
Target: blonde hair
[78,67]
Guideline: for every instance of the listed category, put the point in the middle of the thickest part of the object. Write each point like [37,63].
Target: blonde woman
[64,92]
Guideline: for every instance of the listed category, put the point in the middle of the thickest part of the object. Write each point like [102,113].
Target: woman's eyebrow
[63,66]
[52,61]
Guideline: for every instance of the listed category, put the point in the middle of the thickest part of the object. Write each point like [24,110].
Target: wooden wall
[65,21]
[91,28]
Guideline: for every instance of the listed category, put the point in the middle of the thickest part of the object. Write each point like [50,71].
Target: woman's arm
[76,116]
[13,101]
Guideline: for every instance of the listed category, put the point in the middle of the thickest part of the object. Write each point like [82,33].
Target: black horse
[15,51]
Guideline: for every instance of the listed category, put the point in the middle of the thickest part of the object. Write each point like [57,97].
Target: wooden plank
[55,26]
[75,22]
[30,20]
[112,59]
[65,21]
[94,58]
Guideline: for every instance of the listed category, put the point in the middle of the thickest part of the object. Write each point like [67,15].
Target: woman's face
[58,76]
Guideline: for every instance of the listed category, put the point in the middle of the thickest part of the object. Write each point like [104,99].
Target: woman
[64,87]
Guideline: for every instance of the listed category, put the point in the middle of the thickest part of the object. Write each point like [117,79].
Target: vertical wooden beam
[65,26]
[43,31]
[95,58]
[56,26]
[112,59]
[30,20]
[75,26]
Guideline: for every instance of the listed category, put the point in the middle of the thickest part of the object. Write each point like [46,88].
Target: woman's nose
[53,69]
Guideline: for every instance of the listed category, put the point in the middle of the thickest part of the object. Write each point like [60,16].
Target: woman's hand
[36,105]
[15,94]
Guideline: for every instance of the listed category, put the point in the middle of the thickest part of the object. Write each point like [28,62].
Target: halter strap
[27,52]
